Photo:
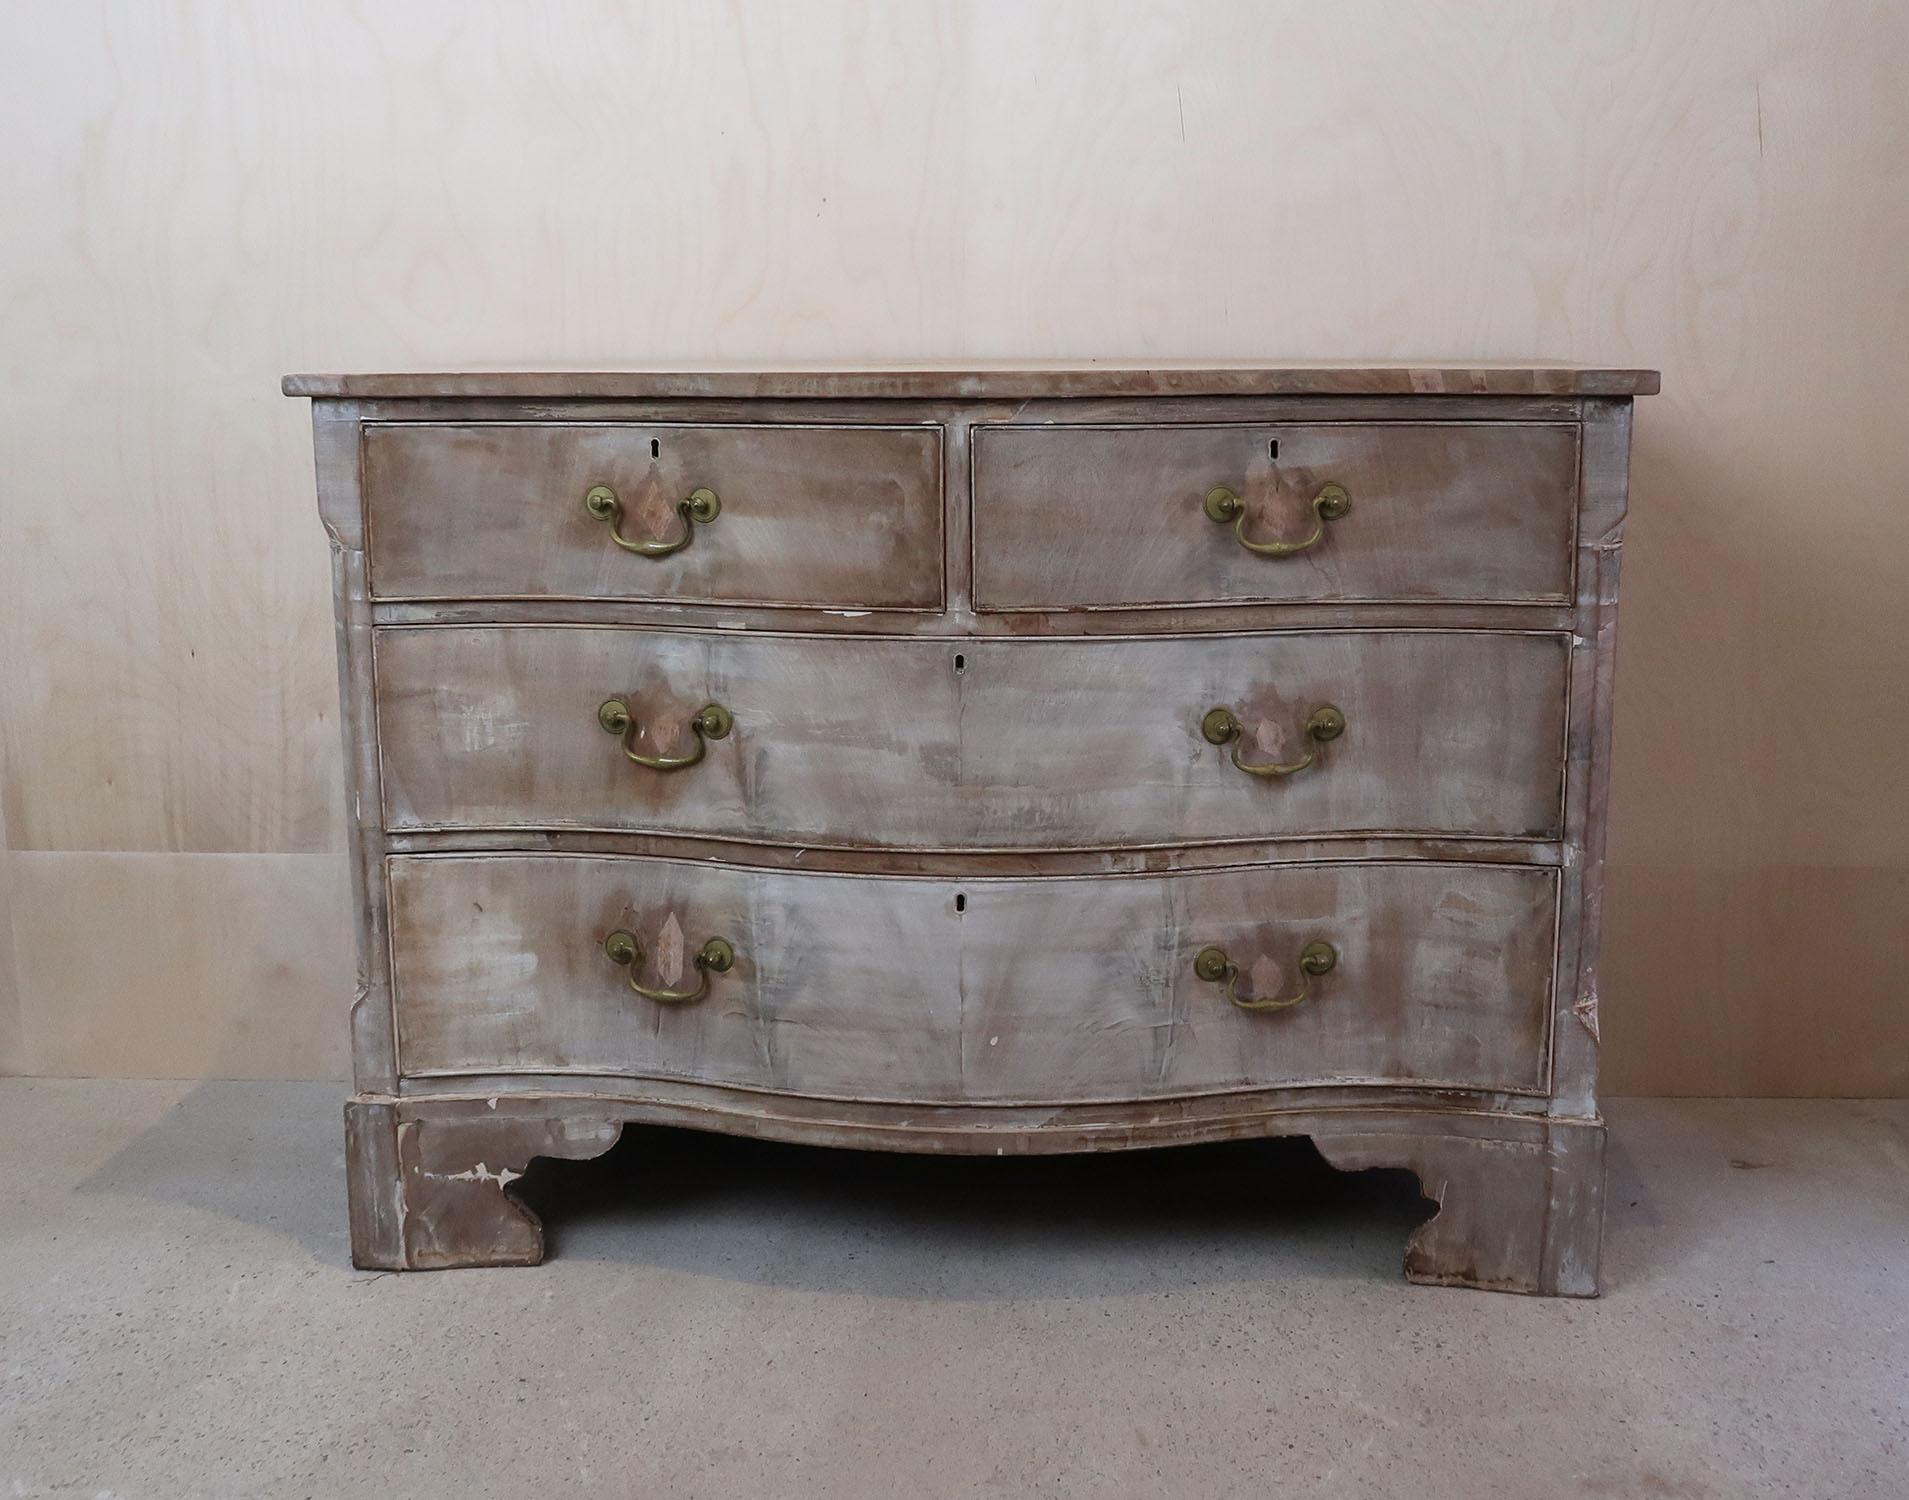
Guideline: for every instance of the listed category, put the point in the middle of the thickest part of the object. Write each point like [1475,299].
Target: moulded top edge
[997,381]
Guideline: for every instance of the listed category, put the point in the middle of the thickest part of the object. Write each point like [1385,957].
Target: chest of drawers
[996,761]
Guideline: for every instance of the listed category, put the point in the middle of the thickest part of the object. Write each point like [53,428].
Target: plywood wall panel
[1734,981]
[13,1055]
[203,196]
[183,965]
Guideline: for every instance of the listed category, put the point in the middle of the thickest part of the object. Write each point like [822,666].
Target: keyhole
[961,901]
[1272,448]
[656,448]
[961,662]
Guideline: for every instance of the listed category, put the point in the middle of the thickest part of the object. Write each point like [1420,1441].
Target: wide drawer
[1115,517]
[1040,990]
[964,743]
[848,517]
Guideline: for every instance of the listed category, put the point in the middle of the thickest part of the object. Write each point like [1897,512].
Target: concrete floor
[722,1318]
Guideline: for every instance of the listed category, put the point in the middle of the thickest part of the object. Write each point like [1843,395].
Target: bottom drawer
[1040,990]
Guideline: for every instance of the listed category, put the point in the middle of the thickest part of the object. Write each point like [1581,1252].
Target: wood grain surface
[839,516]
[992,990]
[1105,517]
[1519,1197]
[1000,380]
[959,743]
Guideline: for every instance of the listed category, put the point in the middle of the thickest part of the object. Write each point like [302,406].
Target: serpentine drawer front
[1030,744]
[990,761]
[1051,991]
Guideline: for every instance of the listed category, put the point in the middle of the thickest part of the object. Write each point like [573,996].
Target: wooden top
[997,381]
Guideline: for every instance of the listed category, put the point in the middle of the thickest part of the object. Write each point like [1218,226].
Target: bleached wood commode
[996,761]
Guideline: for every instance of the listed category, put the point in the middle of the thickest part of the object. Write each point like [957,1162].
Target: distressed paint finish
[969,928]
[1519,1199]
[844,516]
[337,440]
[1516,1212]
[430,1192]
[997,381]
[1053,990]
[1606,482]
[964,744]
[1110,517]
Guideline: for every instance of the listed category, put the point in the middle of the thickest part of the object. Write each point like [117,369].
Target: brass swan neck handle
[1212,965]
[701,507]
[712,722]
[1223,505]
[716,956]
[1221,727]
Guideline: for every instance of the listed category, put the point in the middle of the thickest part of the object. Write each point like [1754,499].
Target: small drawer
[913,743]
[1135,517]
[1040,990]
[835,516]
